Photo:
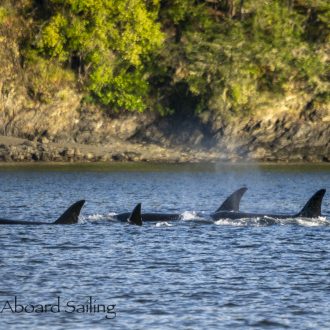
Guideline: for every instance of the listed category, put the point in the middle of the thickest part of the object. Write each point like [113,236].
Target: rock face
[99,138]
[302,135]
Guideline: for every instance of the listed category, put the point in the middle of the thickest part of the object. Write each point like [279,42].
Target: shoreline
[156,165]
[16,151]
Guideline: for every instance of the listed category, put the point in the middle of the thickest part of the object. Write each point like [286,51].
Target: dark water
[192,274]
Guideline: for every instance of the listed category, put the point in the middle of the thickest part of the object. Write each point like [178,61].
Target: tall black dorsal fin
[71,215]
[135,217]
[312,209]
[232,202]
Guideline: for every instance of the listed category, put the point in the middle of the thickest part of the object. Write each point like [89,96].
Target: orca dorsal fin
[232,202]
[312,208]
[135,217]
[71,215]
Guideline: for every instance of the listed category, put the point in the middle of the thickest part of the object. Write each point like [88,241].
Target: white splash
[100,217]
[163,224]
[268,221]
[229,222]
[191,215]
[314,222]
[257,222]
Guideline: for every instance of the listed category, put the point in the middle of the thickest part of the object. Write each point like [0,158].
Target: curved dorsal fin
[232,202]
[312,208]
[71,215]
[135,217]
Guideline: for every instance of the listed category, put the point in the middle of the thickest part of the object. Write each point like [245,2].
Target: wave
[198,217]
[163,224]
[192,215]
[268,221]
[98,217]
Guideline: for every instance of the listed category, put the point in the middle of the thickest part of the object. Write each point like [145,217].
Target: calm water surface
[191,274]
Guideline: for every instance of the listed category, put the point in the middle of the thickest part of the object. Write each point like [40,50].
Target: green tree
[108,42]
[244,49]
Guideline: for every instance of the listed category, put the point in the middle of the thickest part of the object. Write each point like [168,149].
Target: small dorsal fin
[135,217]
[71,215]
[232,202]
[312,208]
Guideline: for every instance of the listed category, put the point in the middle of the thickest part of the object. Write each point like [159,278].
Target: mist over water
[190,274]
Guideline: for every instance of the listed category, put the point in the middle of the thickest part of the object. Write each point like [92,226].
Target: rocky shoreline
[19,150]
[22,150]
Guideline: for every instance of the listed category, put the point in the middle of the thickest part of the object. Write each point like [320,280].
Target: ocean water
[189,274]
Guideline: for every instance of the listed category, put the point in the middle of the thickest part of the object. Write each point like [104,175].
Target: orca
[312,209]
[230,204]
[70,216]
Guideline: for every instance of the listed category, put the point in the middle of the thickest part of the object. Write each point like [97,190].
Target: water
[192,274]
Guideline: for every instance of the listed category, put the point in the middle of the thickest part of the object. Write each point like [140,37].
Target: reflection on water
[191,274]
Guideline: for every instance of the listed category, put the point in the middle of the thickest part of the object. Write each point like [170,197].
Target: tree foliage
[109,42]
[219,55]
[246,48]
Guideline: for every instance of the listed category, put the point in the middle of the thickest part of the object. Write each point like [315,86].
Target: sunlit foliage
[108,42]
